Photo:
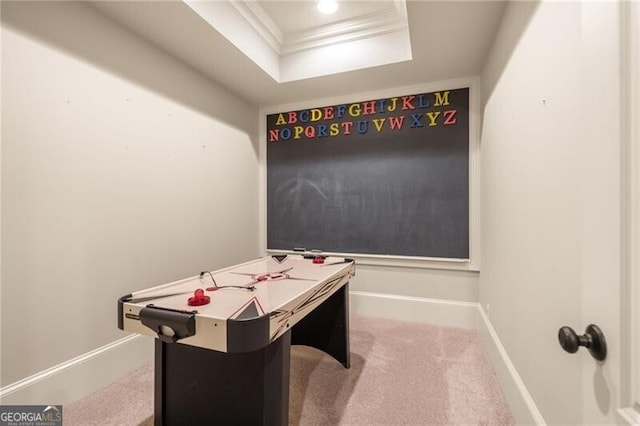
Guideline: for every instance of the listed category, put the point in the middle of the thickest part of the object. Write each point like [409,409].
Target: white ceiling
[448,40]
[292,16]
[344,42]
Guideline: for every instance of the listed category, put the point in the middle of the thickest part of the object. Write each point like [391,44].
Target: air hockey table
[222,338]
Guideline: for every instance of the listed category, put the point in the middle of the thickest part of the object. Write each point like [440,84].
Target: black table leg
[195,386]
[327,327]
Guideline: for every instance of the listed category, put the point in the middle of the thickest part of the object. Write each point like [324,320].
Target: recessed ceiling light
[327,6]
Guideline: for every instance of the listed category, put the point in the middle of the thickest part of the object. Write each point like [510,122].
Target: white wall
[452,285]
[551,203]
[121,169]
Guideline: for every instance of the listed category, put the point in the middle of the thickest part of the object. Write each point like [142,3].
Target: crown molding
[259,20]
[365,26]
[374,24]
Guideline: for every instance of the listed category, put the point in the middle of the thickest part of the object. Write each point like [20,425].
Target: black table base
[196,386]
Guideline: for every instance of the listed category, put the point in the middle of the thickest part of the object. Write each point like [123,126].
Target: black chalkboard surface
[386,177]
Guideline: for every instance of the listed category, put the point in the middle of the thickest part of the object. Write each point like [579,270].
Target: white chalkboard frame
[470,264]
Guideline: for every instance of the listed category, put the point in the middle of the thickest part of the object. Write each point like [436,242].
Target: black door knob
[592,339]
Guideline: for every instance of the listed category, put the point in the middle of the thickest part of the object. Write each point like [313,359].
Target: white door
[555,203]
[629,412]
[611,215]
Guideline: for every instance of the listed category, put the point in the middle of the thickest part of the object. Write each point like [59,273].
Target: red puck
[318,259]
[198,298]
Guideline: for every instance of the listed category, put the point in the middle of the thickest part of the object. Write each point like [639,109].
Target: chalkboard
[385,177]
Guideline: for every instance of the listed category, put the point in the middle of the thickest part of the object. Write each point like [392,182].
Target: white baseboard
[446,313]
[523,408]
[80,376]
[465,315]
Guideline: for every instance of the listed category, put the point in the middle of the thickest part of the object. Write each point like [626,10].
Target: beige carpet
[401,374]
